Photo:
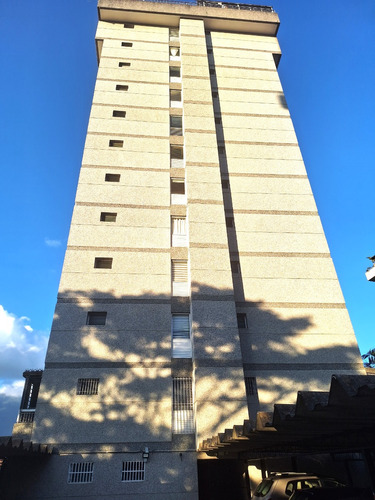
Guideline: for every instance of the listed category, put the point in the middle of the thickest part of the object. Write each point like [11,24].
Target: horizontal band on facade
[274,212]
[109,364]
[205,202]
[201,103]
[251,143]
[159,42]
[277,176]
[136,136]
[191,77]
[252,367]
[211,362]
[193,54]
[99,300]
[201,164]
[129,106]
[235,89]
[292,305]
[201,297]
[119,249]
[207,245]
[275,255]
[255,115]
[121,205]
[127,80]
[218,47]
[245,67]
[138,169]
[199,131]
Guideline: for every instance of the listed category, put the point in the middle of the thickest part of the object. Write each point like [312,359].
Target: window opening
[119,114]
[181,341]
[250,385]
[123,64]
[241,320]
[126,44]
[179,232]
[80,472]
[229,221]
[115,143]
[112,177]
[108,216]
[96,318]
[177,157]
[175,125]
[103,263]
[133,471]
[124,88]
[87,386]
[183,410]
[178,195]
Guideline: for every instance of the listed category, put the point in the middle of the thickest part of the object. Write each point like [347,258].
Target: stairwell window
[175,125]
[174,54]
[175,98]
[250,385]
[174,74]
[179,232]
[225,184]
[235,266]
[241,320]
[180,278]
[229,221]
[174,33]
[177,157]
[183,406]
[178,194]
[181,341]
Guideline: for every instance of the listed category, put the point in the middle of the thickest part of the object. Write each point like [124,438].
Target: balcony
[26,416]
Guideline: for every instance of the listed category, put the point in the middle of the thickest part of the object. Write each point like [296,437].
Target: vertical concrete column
[219,385]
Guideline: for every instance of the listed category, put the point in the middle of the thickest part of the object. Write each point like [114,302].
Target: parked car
[340,493]
[282,486]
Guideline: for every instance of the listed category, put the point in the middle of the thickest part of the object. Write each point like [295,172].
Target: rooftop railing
[221,5]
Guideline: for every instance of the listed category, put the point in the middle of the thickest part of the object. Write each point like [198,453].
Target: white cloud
[52,243]
[13,390]
[21,348]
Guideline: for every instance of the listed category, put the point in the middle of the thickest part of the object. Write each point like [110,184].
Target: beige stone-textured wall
[298,330]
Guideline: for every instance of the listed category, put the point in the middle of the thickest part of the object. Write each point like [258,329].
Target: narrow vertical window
[178,194]
[181,341]
[180,279]
[183,408]
[177,157]
[179,232]
[250,385]
[174,74]
[241,320]
[175,125]
[175,98]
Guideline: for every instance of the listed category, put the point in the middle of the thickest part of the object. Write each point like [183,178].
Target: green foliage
[369,358]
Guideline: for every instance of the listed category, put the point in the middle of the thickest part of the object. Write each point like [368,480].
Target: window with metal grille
[179,232]
[108,216]
[96,318]
[241,320]
[103,263]
[133,471]
[87,386]
[250,385]
[181,341]
[180,281]
[80,472]
[183,409]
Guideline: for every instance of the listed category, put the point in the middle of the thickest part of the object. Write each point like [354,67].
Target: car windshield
[263,488]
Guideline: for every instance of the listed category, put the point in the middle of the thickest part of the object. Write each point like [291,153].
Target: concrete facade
[264,305]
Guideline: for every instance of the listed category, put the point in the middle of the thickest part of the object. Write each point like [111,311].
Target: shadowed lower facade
[197,286]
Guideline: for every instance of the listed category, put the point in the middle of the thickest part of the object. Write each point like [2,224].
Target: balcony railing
[26,416]
[222,5]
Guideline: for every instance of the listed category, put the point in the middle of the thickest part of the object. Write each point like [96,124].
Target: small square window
[124,88]
[209,51]
[96,318]
[221,150]
[126,44]
[225,183]
[177,186]
[128,25]
[123,64]
[212,71]
[119,114]
[218,120]
[87,386]
[113,143]
[235,266]
[241,320]
[175,95]
[103,263]
[108,216]
[112,177]
[229,221]
[215,94]
[174,71]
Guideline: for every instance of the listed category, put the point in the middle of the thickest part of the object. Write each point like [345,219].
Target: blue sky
[48,63]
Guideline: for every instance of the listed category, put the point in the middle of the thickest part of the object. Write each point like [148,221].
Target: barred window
[183,409]
[80,472]
[251,386]
[87,386]
[133,471]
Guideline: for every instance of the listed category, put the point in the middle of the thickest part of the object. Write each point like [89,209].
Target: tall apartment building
[197,285]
